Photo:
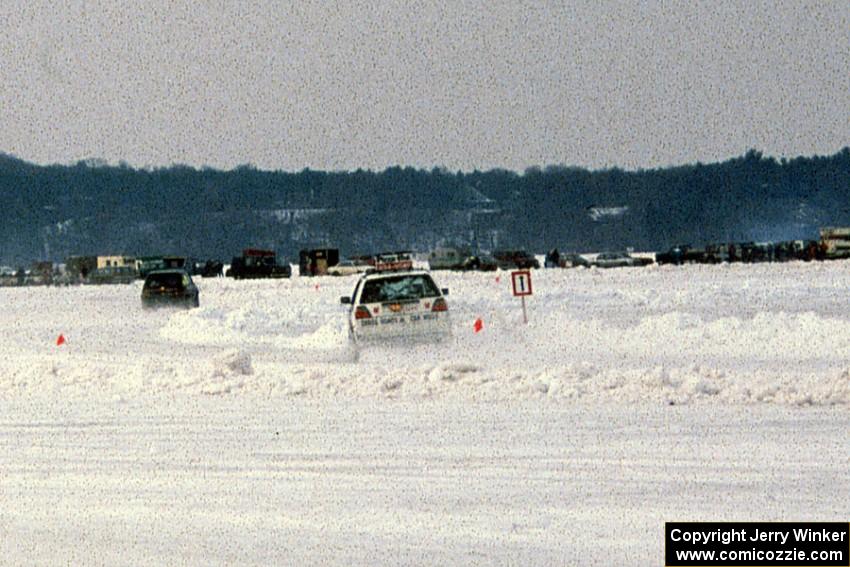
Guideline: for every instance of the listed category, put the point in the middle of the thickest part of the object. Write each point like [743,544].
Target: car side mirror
[345,300]
[445,291]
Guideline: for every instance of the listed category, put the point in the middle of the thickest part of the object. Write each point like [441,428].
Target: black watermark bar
[757,544]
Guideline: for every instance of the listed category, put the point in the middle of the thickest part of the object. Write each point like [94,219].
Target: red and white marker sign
[521,281]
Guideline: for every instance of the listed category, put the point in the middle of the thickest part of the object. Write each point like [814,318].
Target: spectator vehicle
[79,267]
[715,254]
[755,252]
[555,259]
[460,260]
[573,261]
[112,275]
[316,262]
[148,264]
[41,273]
[397,306]
[620,260]
[210,269]
[350,268]
[515,259]
[447,258]
[682,254]
[170,287]
[812,250]
[256,263]
[480,263]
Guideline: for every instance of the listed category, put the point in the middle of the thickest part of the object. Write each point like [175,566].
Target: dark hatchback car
[515,259]
[169,287]
[480,263]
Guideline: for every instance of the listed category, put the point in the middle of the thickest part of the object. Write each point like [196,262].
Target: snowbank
[776,333]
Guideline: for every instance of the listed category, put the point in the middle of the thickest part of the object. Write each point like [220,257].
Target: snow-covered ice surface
[219,481]
[765,333]
[244,432]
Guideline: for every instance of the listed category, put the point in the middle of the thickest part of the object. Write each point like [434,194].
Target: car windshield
[172,280]
[399,288]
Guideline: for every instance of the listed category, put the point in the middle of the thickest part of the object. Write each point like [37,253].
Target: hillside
[90,207]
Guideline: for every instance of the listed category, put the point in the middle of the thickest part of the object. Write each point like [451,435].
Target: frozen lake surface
[216,481]
[244,433]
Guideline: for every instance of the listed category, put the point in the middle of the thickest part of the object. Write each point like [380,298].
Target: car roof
[394,273]
[168,271]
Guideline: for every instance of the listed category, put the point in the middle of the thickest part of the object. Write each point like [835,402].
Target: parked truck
[257,263]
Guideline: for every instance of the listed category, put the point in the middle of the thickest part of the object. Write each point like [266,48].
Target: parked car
[753,252]
[460,259]
[112,275]
[574,261]
[479,263]
[716,254]
[148,264]
[555,259]
[350,268]
[399,305]
[210,269]
[620,260]
[515,259]
[682,254]
[170,287]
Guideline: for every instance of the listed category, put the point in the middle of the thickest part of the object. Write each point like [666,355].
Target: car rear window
[399,288]
[171,281]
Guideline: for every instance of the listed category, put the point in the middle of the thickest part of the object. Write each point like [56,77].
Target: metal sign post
[521,281]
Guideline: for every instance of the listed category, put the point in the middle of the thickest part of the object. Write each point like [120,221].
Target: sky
[461,85]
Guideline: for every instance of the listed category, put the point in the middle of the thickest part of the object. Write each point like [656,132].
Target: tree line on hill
[90,207]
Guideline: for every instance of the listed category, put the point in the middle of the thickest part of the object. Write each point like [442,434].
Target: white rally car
[389,306]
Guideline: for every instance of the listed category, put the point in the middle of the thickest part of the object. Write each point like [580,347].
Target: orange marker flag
[479,324]
[61,340]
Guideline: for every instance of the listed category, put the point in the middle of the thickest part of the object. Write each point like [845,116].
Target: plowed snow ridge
[709,334]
